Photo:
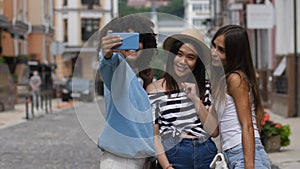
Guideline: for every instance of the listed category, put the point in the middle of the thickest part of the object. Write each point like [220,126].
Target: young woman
[180,102]
[239,123]
[127,137]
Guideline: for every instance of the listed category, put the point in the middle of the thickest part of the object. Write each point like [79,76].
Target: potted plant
[274,135]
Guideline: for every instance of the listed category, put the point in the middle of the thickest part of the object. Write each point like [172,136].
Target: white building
[197,12]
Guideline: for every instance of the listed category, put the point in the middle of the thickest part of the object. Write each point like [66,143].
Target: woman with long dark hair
[180,103]
[239,122]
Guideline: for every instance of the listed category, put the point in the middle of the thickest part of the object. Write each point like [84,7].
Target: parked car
[78,89]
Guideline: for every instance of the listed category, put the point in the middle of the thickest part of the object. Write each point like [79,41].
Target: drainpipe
[255,41]
[295,62]
[25,9]
[16,46]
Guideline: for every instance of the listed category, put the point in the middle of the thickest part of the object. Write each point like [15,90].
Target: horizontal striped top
[176,113]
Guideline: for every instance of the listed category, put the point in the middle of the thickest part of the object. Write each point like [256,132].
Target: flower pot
[272,144]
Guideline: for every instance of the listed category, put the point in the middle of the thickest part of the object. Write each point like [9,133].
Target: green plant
[270,128]
[23,56]
[2,59]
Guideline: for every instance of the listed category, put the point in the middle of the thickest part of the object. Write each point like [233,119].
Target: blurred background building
[26,36]
[273,27]
[27,30]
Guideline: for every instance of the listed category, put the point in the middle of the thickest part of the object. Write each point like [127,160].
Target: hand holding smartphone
[130,41]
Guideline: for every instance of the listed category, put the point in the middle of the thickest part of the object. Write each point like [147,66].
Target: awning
[17,30]
[280,67]
[69,56]
[15,34]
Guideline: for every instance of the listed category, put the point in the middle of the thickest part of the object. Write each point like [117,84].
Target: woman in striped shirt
[180,102]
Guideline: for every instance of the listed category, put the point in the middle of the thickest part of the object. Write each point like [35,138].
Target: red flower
[266,118]
[278,126]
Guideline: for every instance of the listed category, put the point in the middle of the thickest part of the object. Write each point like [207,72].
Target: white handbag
[219,162]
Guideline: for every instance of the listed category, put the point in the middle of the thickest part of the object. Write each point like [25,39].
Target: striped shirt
[175,113]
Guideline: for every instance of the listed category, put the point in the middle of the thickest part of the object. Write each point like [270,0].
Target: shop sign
[260,16]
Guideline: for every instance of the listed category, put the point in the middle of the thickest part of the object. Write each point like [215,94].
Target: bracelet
[170,165]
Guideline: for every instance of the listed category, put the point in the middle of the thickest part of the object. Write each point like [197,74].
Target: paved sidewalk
[288,157]
[18,114]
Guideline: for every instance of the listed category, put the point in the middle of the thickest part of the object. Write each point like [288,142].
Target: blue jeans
[189,153]
[235,157]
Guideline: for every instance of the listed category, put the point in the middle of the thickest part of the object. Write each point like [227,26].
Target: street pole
[295,62]
[216,18]
[154,15]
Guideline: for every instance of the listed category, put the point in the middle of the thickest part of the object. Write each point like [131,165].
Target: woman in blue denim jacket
[127,137]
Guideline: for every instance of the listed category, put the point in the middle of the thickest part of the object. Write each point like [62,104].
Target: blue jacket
[128,130]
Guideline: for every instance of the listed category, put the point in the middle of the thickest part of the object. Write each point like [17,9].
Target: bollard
[42,100]
[46,102]
[32,107]
[50,102]
[26,107]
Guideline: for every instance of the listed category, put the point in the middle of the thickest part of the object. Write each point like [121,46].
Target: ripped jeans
[235,157]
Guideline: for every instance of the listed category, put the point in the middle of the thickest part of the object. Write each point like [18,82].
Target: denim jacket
[128,130]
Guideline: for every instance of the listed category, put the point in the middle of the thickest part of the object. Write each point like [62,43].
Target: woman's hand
[209,121]
[108,42]
[190,90]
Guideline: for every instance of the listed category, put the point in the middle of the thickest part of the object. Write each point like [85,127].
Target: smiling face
[218,51]
[133,55]
[185,61]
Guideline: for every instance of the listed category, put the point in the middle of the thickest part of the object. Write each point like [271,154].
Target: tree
[174,8]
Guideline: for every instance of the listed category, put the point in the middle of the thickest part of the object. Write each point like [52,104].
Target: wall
[7,44]
[35,45]
[35,12]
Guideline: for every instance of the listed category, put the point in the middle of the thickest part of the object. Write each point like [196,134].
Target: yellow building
[26,29]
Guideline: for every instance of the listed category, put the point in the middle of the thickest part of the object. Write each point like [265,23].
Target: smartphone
[130,41]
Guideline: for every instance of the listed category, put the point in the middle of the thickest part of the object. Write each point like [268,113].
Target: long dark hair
[239,58]
[198,74]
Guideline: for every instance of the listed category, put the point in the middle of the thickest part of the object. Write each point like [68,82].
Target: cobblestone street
[53,141]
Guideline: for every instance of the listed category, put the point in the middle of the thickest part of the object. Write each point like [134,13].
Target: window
[90,2]
[65,30]
[65,3]
[97,2]
[88,28]
[197,7]
[197,22]
[84,2]
[1,7]
[201,7]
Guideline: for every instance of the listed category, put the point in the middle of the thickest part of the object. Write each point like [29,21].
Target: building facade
[197,13]
[147,3]
[76,26]
[26,33]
